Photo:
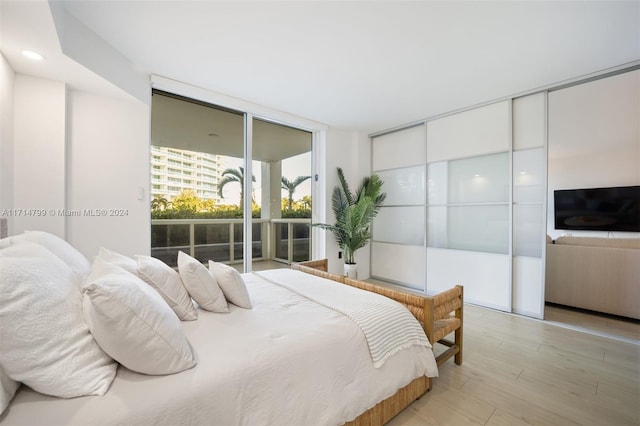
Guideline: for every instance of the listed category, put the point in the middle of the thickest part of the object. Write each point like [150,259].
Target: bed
[290,360]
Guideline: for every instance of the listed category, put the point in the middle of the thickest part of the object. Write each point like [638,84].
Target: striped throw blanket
[388,326]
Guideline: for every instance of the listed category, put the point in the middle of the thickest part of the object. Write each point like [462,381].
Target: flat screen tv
[598,209]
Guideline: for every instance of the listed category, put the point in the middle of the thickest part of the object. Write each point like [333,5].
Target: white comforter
[388,326]
[287,361]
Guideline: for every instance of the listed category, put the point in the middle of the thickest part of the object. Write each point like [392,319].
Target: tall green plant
[354,213]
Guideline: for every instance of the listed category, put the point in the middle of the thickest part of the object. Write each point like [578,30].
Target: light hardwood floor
[519,371]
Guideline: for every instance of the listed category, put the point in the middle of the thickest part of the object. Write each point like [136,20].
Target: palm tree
[159,203]
[234,175]
[291,186]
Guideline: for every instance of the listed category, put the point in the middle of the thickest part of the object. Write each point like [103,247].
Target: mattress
[289,360]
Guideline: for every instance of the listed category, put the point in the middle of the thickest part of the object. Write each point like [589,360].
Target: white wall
[76,154]
[594,139]
[108,170]
[352,152]
[39,157]
[7,77]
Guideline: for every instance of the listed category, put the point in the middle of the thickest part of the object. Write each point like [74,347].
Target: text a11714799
[86,212]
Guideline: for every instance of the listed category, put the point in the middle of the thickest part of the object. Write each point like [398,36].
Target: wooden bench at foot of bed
[440,315]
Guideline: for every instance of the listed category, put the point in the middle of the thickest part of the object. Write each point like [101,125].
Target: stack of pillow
[65,324]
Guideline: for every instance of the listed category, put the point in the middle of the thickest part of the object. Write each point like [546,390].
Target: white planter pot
[351,270]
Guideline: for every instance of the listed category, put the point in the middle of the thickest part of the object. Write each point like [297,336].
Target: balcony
[221,240]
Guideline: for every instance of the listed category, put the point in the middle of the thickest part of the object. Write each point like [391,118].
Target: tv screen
[598,209]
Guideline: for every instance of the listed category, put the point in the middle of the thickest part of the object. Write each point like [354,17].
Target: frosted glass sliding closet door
[468,214]
[398,244]
[529,194]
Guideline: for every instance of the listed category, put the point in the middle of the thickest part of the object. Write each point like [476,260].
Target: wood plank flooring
[519,371]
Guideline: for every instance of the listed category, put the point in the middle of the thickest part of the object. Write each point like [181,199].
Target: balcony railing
[221,240]
[291,240]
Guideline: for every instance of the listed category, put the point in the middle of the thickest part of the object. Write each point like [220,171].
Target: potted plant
[354,216]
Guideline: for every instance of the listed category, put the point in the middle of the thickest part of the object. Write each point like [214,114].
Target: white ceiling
[29,25]
[360,65]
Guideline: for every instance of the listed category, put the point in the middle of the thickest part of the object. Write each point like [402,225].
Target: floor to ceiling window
[218,186]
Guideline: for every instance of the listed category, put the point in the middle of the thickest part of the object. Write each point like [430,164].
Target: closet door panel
[470,133]
[404,186]
[400,225]
[402,148]
[484,276]
[398,240]
[400,264]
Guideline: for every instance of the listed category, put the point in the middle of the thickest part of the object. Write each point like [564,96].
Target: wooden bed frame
[440,315]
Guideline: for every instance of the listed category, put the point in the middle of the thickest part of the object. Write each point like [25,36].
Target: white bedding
[287,361]
[388,326]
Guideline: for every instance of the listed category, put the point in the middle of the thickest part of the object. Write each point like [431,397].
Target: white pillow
[56,245]
[132,323]
[233,286]
[126,263]
[167,282]
[8,389]
[45,342]
[200,284]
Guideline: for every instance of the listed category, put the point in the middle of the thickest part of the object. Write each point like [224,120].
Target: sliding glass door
[217,186]
[282,192]
[196,150]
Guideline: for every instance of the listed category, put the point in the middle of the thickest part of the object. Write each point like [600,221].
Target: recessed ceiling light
[523,173]
[32,55]
[476,175]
